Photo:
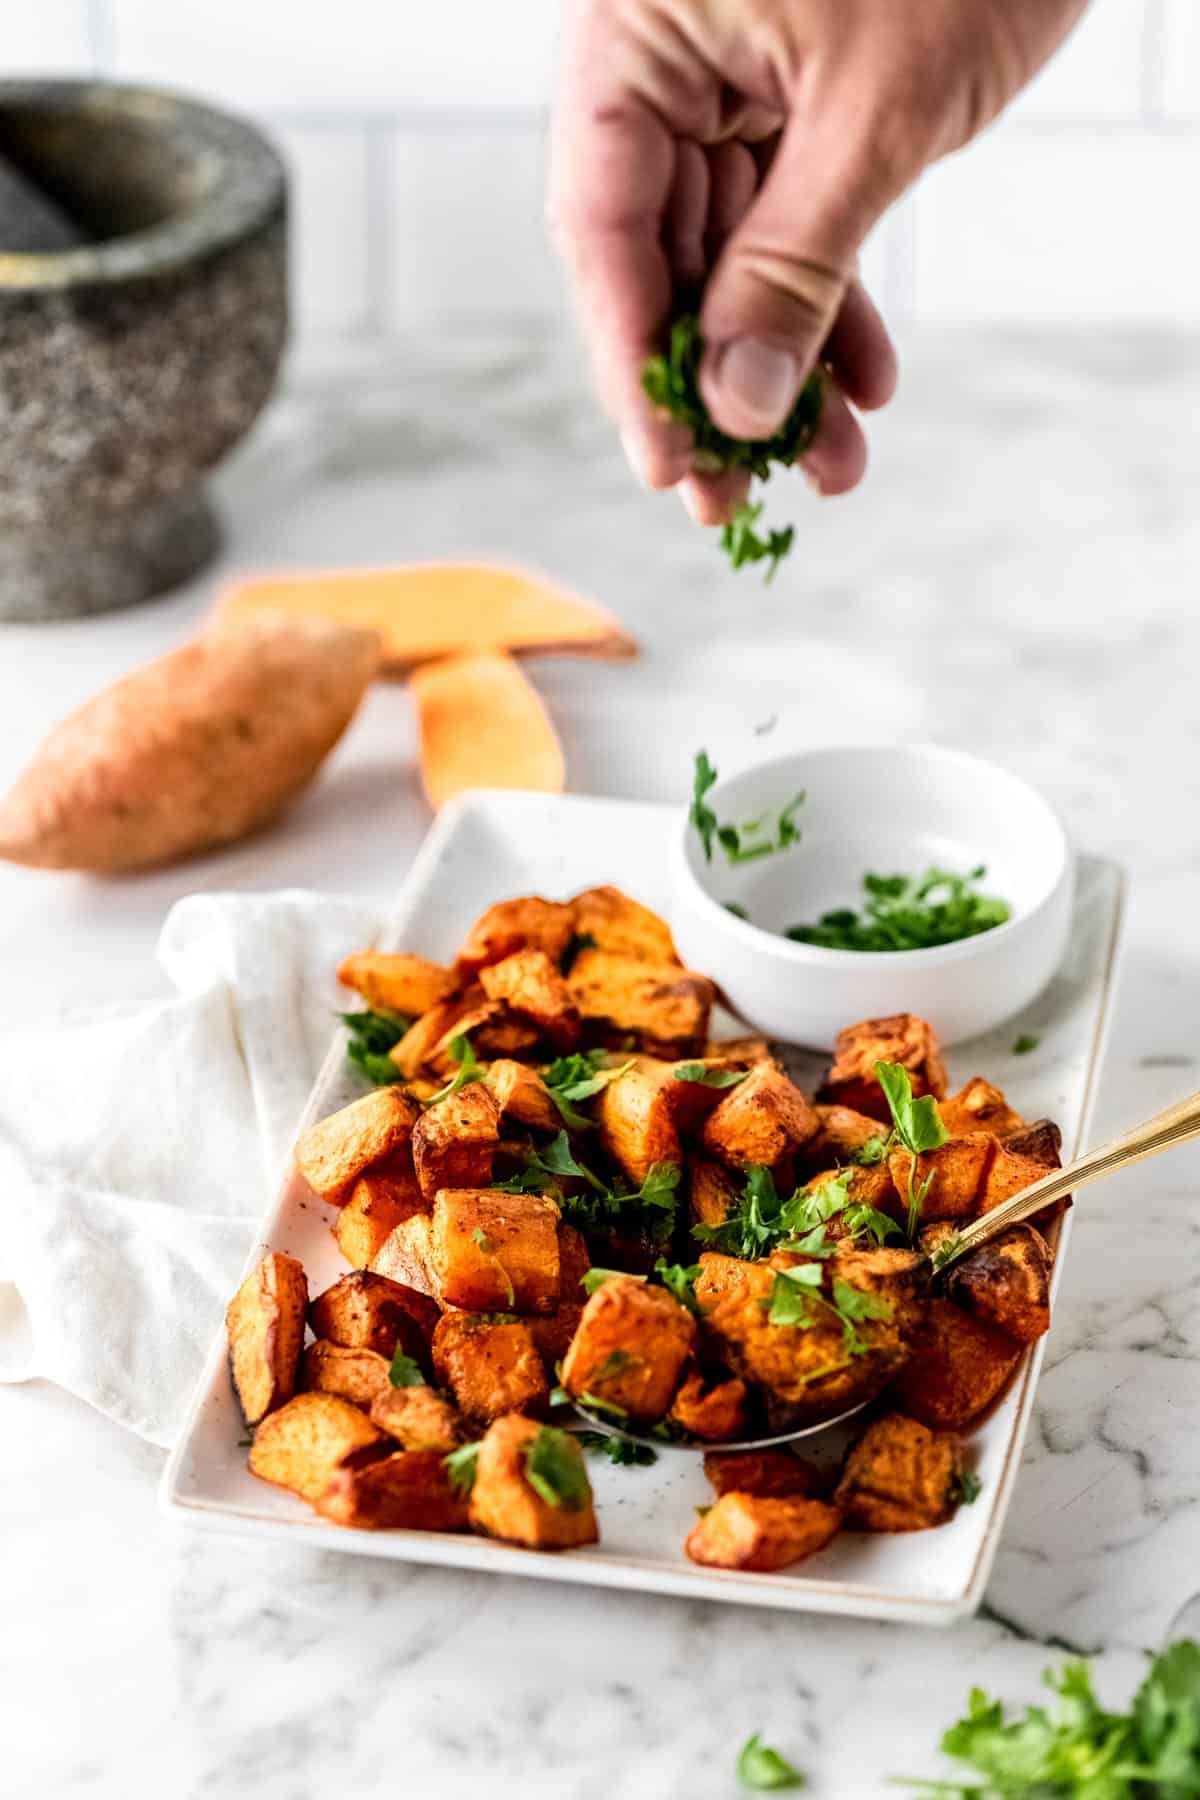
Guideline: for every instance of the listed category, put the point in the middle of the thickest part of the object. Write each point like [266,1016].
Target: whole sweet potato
[191,751]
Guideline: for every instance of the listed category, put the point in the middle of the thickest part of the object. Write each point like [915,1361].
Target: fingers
[687,215]
[780,283]
[860,350]
[733,178]
[713,499]
[837,460]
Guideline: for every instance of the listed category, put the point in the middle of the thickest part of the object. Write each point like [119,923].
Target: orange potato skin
[527,923]
[397,982]
[1007,1284]
[715,1413]
[761,1121]
[265,1325]
[978,1106]
[634,1120]
[530,985]
[522,1095]
[418,1418]
[745,1531]
[300,1446]
[769,1474]
[357,1375]
[622,926]
[901,1038]
[959,1170]
[379,1201]
[665,1007]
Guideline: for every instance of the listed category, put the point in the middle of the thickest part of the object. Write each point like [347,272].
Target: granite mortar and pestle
[143,313]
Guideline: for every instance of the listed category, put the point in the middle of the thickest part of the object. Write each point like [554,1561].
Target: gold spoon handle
[1174,1125]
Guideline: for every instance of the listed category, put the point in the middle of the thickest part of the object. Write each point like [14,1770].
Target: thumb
[772,299]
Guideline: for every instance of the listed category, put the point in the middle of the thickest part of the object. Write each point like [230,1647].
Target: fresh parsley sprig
[581,1075]
[460,1466]
[652,1205]
[405,1372]
[762,1769]
[908,912]
[373,1032]
[705,1077]
[671,381]
[469,1070]
[796,1299]
[741,843]
[554,1469]
[917,1126]
[762,1219]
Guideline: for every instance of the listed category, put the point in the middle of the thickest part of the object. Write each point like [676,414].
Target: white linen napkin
[139,1148]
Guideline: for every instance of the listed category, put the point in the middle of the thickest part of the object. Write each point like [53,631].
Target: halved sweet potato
[407,1491]
[901,1038]
[379,1201]
[531,986]
[635,1121]
[770,1474]
[522,1095]
[495,1252]
[746,1531]
[979,1107]
[301,1446]
[366,1311]
[957,1365]
[714,1411]
[899,1476]
[334,1153]
[1007,1283]
[761,1121]
[399,983]
[505,1503]
[956,1173]
[483,724]
[666,1008]
[631,1347]
[527,923]
[418,1418]
[623,926]
[358,1375]
[490,1366]
[265,1325]
[455,1140]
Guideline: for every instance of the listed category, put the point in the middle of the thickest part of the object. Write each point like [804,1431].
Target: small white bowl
[889,809]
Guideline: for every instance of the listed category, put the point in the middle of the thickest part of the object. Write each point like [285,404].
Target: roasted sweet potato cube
[407,1491]
[871,1185]
[493,1029]
[899,1476]
[357,1375]
[552,1333]
[744,1050]
[715,1412]
[622,926]
[711,1191]
[693,1092]
[405,1255]
[490,1366]
[719,1275]
[333,1154]
[554,1510]
[631,1347]
[762,1120]
[665,1007]
[635,1122]
[1040,1141]
[528,923]
[455,1140]
[841,1133]
[957,1365]
[1007,1283]
[265,1325]
[495,1252]
[367,1311]
[770,1474]
[979,1107]
[902,1038]
[301,1446]
[379,1201]
[1008,1173]
[420,1042]
[418,1418]
[522,1095]
[745,1531]
[403,984]
[956,1173]
[530,985]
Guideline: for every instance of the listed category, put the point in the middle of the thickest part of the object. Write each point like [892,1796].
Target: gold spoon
[1174,1125]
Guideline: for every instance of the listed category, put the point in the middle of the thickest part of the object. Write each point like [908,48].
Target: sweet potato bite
[841,1134]
[955,1173]
[333,1154]
[405,1256]
[666,1008]
[531,1487]
[402,984]
[522,1096]
[265,1326]
[358,1375]
[455,1140]
[979,1107]
[1007,1283]
[630,1349]
[899,1476]
[957,1365]
[495,1252]
[529,923]
[379,1201]
[418,1418]
[491,1366]
[902,1038]
[746,1531]
[301,1446]
[713,1411]
[530,985]
[622,926]
[366,1311]
[408,1490]
[760,1121]
[771,1474]
[635,1120]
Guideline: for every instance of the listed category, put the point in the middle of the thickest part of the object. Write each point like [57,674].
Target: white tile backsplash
[1091,228]
[415,135]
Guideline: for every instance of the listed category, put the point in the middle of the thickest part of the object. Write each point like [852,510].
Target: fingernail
[635,455]
[761,381]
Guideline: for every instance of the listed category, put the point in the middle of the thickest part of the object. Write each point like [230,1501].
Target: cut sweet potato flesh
[424,611]
[483,725]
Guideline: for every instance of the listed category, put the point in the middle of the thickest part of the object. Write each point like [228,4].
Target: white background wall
[415,134]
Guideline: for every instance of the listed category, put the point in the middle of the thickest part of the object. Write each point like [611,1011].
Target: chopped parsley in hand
[764,1770]
[908,912]
[372,1034]
[671,381]
[1080,1751]
[753,838]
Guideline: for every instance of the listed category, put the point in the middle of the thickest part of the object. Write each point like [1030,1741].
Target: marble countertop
[1018,576]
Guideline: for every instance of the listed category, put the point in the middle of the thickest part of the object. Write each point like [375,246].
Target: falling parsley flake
[1027,1041]
[405,1372]
[763,1770]
[749,841]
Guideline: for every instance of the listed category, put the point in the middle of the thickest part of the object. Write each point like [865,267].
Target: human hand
[751,145]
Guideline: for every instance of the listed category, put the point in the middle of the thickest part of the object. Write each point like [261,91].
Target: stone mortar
[129,366]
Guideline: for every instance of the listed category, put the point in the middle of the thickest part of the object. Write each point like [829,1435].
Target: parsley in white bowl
[832,885]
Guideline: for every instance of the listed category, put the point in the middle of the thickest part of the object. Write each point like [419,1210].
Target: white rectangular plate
[490,846]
